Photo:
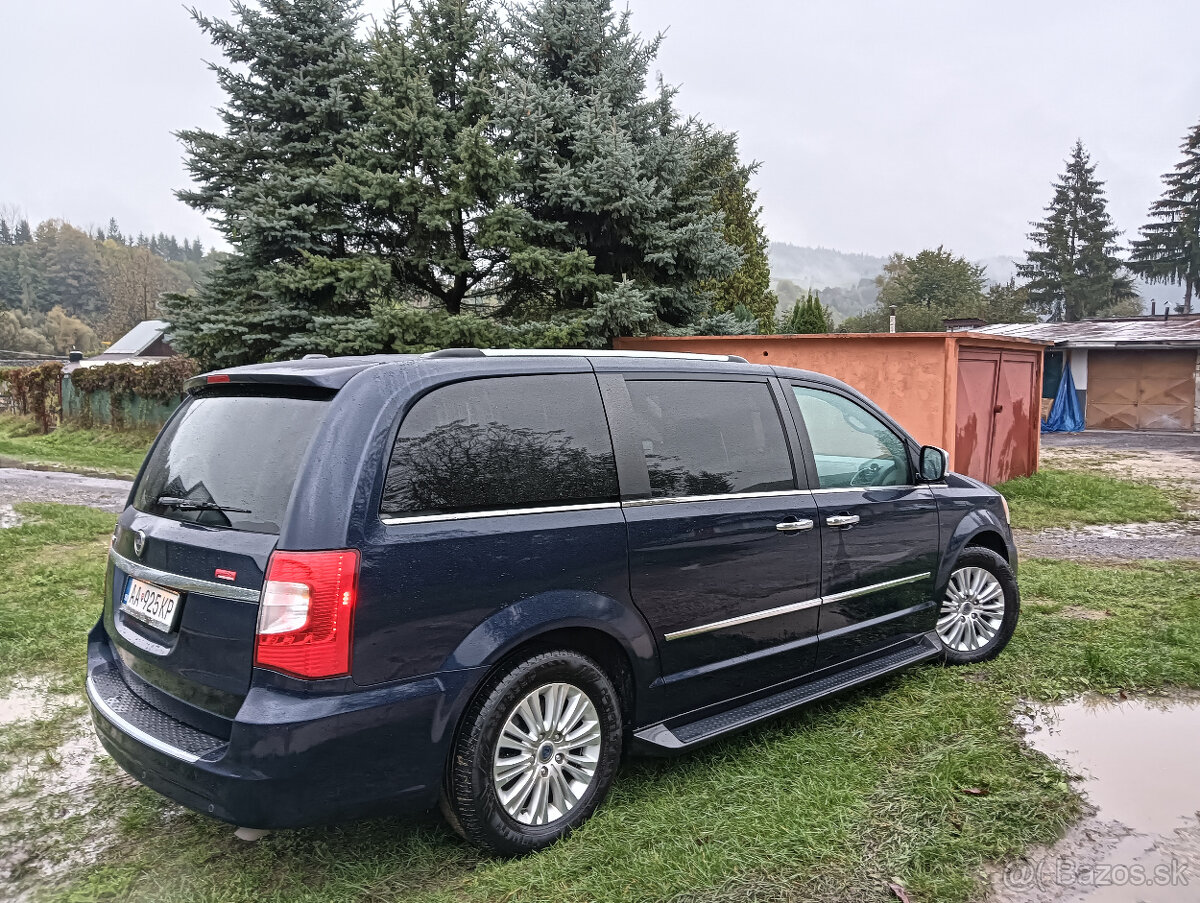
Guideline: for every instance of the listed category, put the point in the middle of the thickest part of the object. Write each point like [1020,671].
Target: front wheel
[536,754]
[980,608]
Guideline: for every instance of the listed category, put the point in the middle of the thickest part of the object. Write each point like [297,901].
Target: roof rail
[580,352]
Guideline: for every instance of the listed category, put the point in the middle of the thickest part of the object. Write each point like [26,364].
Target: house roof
[137,339]
[1117,332]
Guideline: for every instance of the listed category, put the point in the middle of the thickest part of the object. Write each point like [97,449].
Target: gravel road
[18,485]
[1170,460]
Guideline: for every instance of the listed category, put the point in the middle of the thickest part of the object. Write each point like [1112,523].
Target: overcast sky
[881,126]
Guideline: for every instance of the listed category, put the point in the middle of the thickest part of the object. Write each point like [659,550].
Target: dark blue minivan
[350,586]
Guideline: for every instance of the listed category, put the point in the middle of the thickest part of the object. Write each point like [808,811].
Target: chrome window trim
[132,730]
[729,496]
[501,512]
[183,584]
[798,606]
[869,488]
[744,619]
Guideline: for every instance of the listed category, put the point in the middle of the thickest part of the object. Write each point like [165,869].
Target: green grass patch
[1060,498]
[827,804]
[110,451]
[52,591]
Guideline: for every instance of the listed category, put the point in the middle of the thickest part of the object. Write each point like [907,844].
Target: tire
[979,610]
[535,788]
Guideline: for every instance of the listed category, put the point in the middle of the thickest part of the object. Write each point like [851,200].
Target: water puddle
[9,517]
[23,702]
[1138,763]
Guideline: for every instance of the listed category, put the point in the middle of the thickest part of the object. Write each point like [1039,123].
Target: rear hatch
[190,553]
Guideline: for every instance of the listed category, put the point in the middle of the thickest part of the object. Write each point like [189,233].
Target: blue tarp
[1065,416]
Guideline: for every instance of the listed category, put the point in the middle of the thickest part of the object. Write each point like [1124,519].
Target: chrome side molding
[798,606]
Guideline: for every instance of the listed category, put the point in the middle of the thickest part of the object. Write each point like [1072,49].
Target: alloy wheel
[972,610]
[547,754]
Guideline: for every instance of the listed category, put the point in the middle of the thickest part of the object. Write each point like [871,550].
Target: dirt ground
[19,485]
[1168,460]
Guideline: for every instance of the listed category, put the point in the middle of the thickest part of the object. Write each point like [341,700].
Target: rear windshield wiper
[171,501]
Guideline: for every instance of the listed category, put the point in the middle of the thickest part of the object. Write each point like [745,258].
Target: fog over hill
[846,280]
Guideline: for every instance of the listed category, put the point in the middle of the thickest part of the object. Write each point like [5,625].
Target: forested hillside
[62,287]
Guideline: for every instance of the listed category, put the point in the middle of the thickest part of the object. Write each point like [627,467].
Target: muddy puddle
[23,702]
[1138,763]
[9,517]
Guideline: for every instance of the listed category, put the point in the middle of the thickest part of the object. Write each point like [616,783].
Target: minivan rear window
[229,461]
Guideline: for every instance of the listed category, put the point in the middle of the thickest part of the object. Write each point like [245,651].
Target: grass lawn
[72,447]
[1060,498]
[828,804]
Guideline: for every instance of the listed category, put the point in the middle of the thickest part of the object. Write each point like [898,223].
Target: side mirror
[935,464]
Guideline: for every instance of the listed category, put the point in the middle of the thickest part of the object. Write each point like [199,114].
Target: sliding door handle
[794,526]
[842,520]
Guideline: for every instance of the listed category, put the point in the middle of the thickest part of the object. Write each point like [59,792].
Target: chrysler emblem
[139,542]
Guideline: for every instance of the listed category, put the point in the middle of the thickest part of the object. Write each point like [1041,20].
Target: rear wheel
[979,611]
[536,753]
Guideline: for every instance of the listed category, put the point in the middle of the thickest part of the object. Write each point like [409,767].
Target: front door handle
[842,520]
[794,526]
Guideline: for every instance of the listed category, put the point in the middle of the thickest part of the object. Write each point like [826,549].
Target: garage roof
[1116,332]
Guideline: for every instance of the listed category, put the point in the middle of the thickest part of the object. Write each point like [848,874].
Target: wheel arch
[607,630]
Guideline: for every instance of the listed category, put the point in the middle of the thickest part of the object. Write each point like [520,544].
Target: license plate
[151,604]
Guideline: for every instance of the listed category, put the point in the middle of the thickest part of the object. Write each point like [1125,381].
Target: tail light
[306,616]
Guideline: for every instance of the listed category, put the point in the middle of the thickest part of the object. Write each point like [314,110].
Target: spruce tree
[5,236]
[1169,247]
[293,83]
[613,188]
[807,317]
[427,169]
[21,234]
[741,228]
[1073,270]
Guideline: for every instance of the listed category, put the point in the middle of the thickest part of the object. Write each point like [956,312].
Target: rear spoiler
[325,374]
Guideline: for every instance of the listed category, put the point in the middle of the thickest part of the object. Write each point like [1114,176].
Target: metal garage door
[997,414]
[1141,390]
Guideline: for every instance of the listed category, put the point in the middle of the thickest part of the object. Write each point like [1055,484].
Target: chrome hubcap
[972,611]
[547,754]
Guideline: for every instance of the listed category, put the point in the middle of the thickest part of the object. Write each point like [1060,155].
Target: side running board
[666,739]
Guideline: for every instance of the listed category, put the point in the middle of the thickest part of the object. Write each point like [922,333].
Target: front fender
[531,617]
[965,532]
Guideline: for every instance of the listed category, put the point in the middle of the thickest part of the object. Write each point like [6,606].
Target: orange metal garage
[977,396]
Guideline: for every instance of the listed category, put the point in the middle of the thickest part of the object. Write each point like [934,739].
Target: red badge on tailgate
[223,574]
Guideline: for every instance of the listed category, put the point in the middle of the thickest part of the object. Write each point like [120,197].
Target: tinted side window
[507,442]
[852,446]
[710,438]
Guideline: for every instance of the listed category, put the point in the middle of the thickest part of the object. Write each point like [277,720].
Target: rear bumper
[291,760]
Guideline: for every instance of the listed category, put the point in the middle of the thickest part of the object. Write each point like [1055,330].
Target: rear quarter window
[502,443]
[230,461]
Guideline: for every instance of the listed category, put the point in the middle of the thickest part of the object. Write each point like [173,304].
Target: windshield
[229,461]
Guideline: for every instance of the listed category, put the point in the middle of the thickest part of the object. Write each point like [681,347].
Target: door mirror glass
[935,464]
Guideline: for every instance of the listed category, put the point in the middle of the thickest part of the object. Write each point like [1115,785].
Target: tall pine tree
[750,283]
[1073,269]
[1169,247]
[21,233]
[431,178]
[5,236]
[293,82]
[615,191]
